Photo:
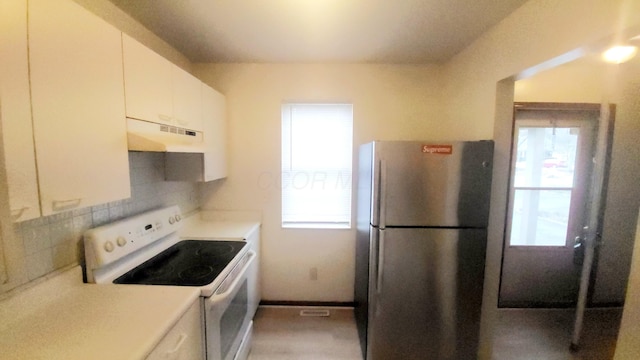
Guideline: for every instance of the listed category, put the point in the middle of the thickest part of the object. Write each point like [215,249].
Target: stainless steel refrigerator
[422,219]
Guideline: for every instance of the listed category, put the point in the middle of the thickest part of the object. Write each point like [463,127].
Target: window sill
[306,225]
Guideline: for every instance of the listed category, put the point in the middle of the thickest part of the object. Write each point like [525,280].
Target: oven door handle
[228,290]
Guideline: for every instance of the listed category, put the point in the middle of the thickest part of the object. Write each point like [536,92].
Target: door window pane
[540,217]
[545,157]
[542,185]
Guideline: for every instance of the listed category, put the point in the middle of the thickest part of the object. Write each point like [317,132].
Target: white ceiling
[370,31]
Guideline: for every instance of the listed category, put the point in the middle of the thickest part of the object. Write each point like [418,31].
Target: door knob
[578,250]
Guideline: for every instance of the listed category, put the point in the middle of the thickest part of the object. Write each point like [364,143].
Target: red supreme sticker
[437,149]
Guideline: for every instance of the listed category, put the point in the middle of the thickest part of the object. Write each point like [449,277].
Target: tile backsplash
[55,241]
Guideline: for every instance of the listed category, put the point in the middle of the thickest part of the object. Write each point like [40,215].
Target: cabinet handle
[17,214]
[59,205]
[181,340]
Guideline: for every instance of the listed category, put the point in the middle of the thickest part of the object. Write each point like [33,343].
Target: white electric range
[147,250]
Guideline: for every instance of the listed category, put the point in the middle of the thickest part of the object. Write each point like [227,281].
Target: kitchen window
[317,151]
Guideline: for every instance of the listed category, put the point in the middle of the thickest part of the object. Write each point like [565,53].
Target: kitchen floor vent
[316,313]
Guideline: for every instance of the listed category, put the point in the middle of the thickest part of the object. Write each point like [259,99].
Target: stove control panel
[109,243]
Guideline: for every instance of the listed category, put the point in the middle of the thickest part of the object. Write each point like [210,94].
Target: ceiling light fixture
[620,54]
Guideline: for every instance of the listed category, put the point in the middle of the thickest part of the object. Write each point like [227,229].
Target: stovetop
[186,263]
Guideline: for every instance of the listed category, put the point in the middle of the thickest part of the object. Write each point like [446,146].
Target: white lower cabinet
[77,101]
[185,340]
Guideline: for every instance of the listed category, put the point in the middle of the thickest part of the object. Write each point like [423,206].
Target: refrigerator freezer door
[426,304]
[445,184]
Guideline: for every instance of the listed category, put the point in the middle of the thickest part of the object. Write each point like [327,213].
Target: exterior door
[551,164]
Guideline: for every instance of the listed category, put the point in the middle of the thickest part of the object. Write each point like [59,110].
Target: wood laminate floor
[280,333]
[545,334]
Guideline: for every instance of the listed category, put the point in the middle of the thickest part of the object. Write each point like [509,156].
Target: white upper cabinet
[212,164]
[15,112]
[147,79]
[77,98]
[157,90]
[214,115]
[187,99]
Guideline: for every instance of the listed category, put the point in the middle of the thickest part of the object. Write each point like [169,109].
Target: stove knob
[108,246]
[178,218]
[172,220]
[121,241]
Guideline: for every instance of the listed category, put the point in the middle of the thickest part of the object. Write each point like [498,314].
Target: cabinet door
[147,81]
[15,107]
[214,115]
[184,340]
[187,99]
[212,164]
[77,99]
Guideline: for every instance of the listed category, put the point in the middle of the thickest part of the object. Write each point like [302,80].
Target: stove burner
[156,271]
[195,272]
[215,250]
[186,263]
[189,245]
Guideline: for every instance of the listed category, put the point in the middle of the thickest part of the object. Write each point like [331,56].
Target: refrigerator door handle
[380,264]
[383,194]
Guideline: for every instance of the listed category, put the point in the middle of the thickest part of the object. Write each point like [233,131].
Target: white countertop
[62,318]
[219,225]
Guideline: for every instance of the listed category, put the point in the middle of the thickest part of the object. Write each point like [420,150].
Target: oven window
[232,319]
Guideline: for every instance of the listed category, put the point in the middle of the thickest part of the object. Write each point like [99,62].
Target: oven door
[228,315]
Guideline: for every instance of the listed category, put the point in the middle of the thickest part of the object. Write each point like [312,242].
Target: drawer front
[184,340]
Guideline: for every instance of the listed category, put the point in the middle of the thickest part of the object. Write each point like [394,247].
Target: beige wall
[628,345]
[538,31]
[623,193]
[575,82]
[389,102]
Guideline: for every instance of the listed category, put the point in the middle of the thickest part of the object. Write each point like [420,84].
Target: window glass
[317,149]
[542,185]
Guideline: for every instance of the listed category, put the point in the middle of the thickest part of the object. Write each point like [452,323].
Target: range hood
[148,136]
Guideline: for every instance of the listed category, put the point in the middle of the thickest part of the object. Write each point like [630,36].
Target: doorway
[553,148]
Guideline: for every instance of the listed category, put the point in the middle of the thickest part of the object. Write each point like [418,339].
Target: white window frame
[317,165]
